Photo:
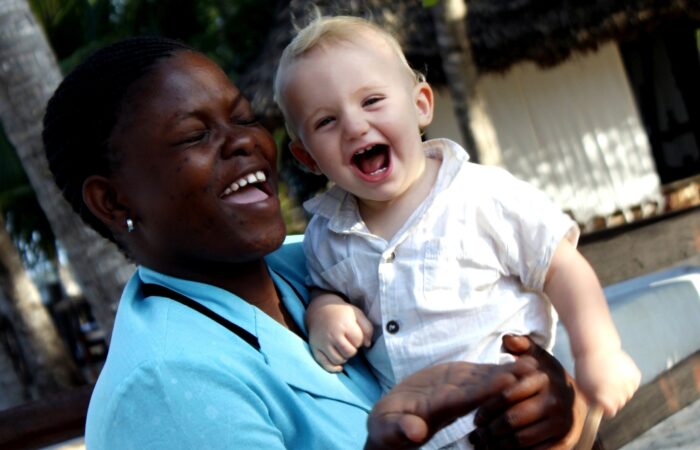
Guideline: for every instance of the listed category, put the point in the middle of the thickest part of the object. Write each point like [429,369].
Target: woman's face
[196,170]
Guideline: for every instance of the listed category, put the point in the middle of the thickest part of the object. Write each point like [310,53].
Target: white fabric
[572,130]
[462,271]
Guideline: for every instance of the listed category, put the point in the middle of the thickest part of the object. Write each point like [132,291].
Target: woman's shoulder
[163,399]
[289,259]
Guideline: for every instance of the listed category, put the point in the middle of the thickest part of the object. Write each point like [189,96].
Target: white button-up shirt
[466,268]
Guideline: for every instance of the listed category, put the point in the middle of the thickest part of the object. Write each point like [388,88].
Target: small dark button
[392,326]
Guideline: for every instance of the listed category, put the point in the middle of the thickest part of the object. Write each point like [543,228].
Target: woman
[155,148]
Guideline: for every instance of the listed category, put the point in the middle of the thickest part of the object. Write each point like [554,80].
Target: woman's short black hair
[82,113]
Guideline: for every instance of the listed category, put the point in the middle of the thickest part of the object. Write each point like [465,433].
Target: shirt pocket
[457,273]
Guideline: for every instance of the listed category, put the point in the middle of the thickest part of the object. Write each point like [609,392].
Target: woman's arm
[531,402]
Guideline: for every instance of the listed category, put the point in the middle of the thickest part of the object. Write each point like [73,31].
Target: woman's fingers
[540,410]
[396,431]
[506,405]
[428,400]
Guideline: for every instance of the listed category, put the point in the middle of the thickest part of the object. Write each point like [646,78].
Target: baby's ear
[304,157]
[423,95]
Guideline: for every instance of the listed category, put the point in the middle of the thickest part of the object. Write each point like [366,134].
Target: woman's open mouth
[373,162]
[250,188]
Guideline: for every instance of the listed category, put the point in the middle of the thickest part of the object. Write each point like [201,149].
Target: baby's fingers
[325,362]
[345,348]
[619,394]
[366,327]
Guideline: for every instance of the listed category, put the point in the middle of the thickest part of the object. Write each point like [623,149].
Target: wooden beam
[632,250]
[670,392]
[44,422]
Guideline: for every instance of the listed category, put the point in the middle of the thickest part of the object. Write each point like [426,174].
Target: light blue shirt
[175,379]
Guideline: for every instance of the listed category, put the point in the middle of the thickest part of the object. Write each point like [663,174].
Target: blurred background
[595,102]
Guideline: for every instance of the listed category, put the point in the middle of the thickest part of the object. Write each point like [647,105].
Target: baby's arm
[336,329]
[605,373]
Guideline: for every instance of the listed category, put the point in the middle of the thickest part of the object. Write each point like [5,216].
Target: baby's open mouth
[372,160]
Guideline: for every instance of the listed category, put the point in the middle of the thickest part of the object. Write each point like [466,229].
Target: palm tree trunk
[47,358]
[14,391]
[449,17]
[28,76]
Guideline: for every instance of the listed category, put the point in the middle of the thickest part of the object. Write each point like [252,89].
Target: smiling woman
[154,147]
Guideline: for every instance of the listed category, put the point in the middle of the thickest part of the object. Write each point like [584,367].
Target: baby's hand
[336,330]
[607,378]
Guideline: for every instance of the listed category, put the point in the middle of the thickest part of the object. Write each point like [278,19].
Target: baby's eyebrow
[372,87]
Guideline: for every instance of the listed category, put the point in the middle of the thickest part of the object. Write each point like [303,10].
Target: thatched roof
[501,32]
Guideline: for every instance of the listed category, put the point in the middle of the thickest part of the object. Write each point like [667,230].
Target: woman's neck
[250,280]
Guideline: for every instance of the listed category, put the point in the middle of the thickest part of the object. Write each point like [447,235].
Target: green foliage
[230,32]
[429,3]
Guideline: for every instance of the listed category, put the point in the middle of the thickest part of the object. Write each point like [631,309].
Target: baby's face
[358,112]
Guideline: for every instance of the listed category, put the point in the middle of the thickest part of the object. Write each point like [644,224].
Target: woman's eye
[323,122]
[246,121]
[194,138]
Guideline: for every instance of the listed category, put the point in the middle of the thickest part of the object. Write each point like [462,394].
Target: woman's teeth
[251,178]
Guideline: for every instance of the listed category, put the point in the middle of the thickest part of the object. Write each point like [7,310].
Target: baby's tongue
[371,161]
[248,194]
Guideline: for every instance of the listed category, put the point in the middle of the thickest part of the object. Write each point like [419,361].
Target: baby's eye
[372,100]
[323,122]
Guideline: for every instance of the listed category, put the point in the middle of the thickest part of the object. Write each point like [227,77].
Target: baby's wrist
[597,352]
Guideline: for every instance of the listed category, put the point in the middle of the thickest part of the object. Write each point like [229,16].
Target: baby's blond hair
[332,29]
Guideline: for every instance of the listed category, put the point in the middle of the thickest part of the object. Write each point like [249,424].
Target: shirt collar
[340,208]
[280,347]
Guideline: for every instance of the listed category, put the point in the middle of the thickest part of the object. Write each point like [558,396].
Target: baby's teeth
[227,191]
[260,175]
[235,187]
[243,182]
[251,178]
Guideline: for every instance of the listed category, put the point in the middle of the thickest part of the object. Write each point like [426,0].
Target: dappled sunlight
[572,131]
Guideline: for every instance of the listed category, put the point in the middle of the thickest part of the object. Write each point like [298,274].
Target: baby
[415,253]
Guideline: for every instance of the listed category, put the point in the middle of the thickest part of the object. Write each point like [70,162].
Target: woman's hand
[422,404]
[541,410]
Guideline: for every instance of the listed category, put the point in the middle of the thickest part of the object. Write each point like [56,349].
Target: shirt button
[392,326]
[391,257]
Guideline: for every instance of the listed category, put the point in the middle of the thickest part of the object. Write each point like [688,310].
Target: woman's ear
[101,198]
[304,157]
[423,95]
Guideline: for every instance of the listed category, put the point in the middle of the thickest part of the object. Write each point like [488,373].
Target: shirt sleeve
[528,227]
[316,264]
[185,408]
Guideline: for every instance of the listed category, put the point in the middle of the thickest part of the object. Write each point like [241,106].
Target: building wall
[572,130]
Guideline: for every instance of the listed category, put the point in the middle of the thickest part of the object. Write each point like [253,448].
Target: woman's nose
[237,142]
